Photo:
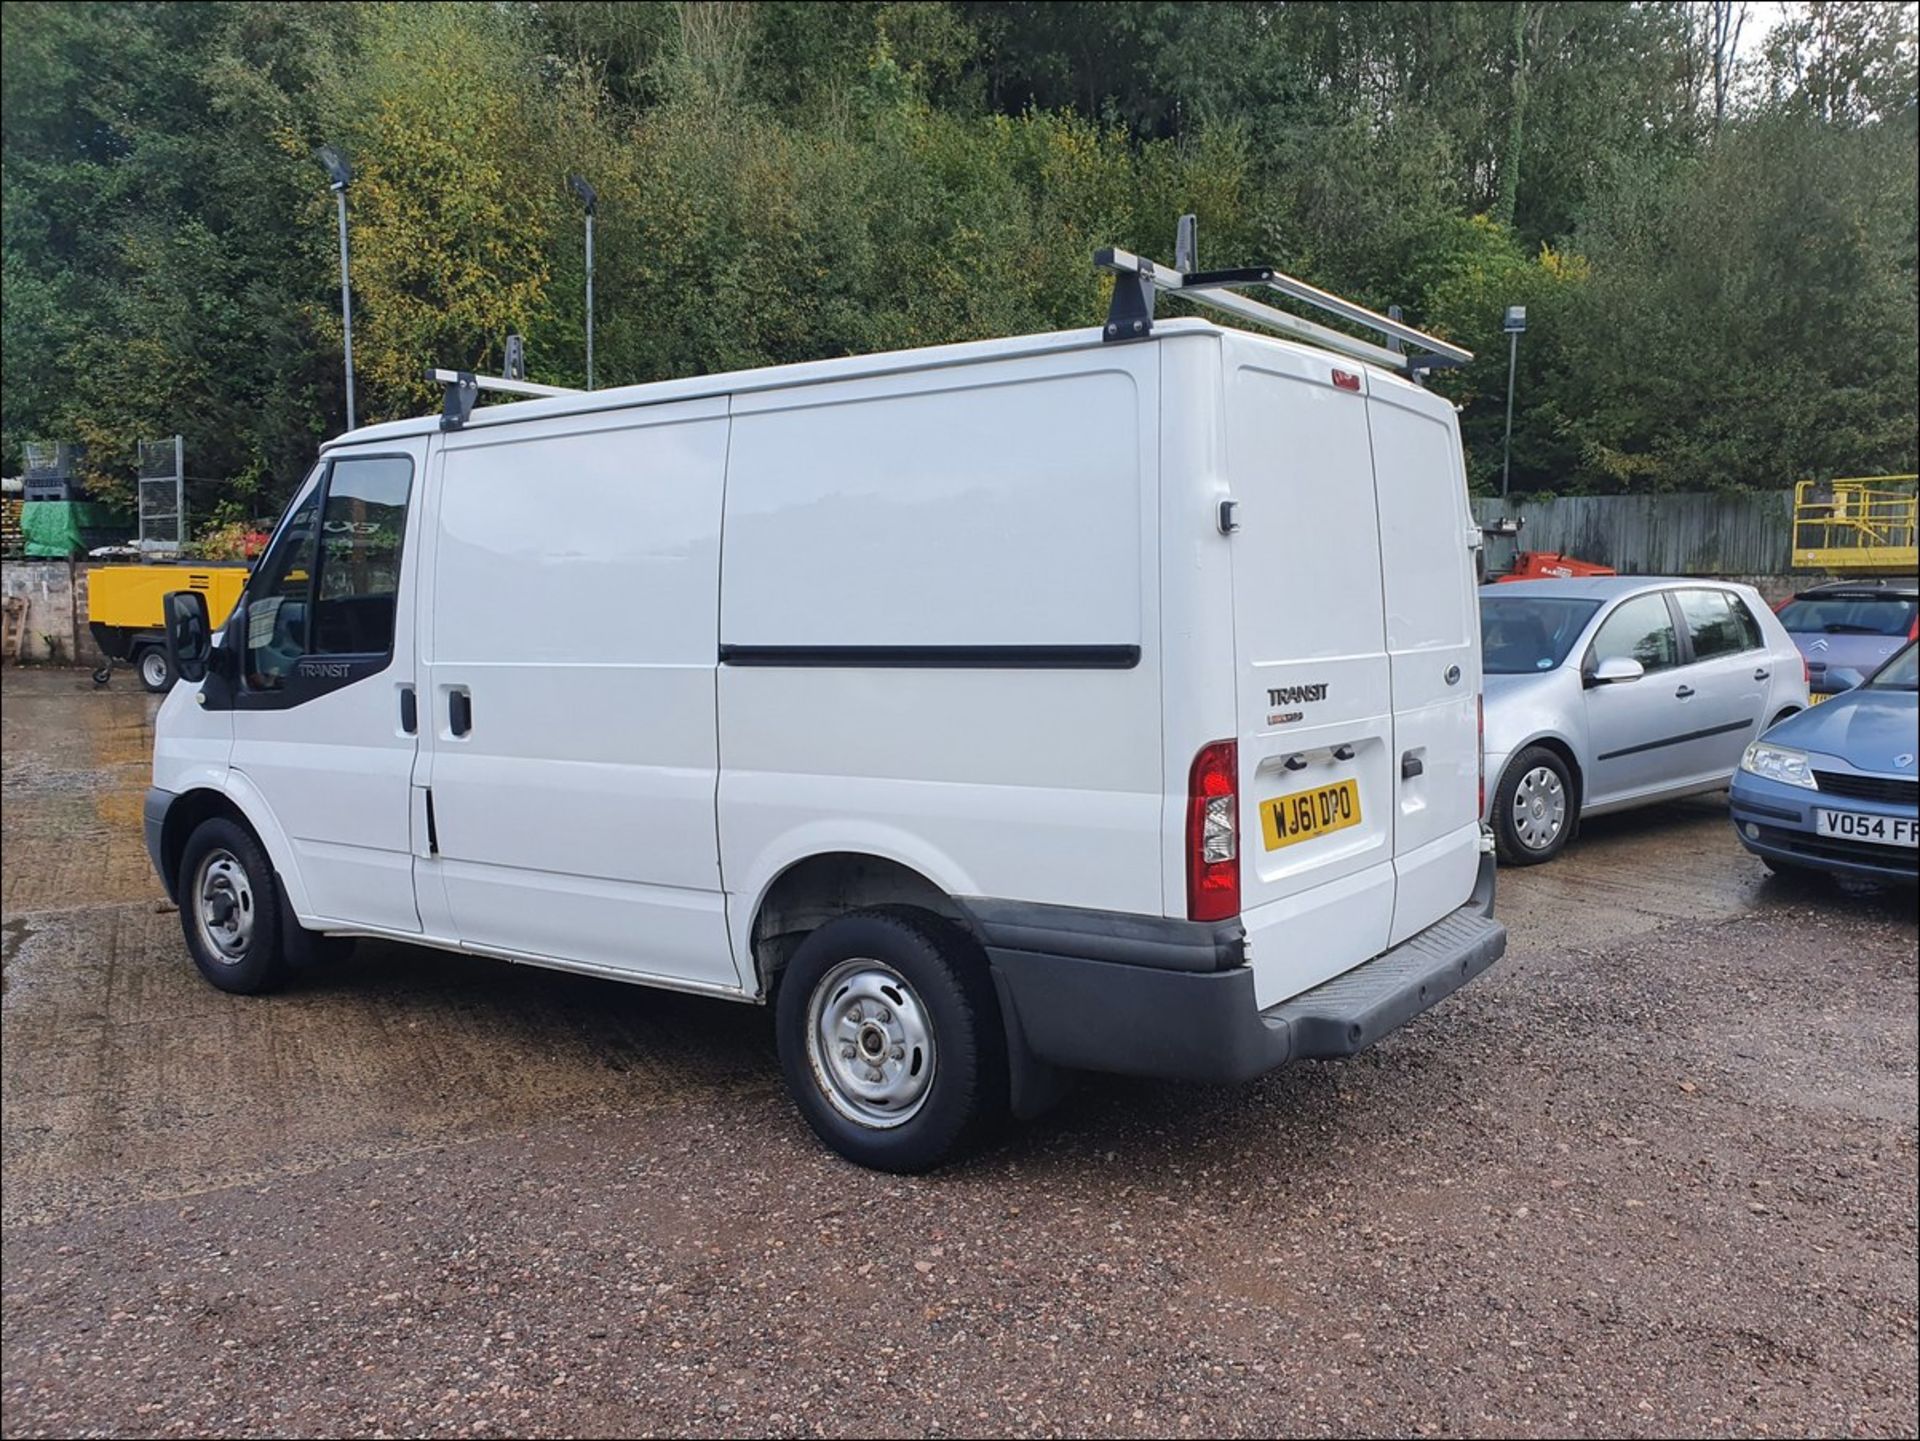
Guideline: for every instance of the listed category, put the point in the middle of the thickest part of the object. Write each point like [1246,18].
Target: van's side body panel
[938,613]
[573,602]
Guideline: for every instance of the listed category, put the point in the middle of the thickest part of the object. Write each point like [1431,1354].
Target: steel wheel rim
[1539,808]
[870,1044]
[223,909]
[153,668]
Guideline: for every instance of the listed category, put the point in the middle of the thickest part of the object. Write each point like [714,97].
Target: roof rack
[1138,280]
[464,387]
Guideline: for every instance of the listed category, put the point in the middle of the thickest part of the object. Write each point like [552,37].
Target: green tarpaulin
[65,528]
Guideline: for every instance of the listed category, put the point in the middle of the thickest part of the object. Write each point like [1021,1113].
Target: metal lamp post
[585,193]
[1515,323]
[340,173]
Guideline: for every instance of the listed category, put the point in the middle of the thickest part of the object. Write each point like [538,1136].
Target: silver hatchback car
[1614,691]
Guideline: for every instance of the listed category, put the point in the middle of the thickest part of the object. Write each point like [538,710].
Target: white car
[994,710]
[1606,692]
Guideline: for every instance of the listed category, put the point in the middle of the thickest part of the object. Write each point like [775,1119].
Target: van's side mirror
[189,636]
[1615,670]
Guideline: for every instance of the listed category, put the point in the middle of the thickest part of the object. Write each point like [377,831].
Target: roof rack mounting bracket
[1130,314]
[1137,281]
[463,388]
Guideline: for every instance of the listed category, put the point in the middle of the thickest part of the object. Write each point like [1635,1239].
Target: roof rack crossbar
[463,388]
[1138,280]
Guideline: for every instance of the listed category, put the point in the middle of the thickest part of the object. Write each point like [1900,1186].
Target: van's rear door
[1318,765]
[1433,641]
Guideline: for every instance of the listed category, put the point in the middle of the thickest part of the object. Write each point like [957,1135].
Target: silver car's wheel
[223,907]
[870,1044]
[1539,809]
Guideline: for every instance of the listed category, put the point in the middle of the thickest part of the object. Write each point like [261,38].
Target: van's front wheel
[230,910]
[889,1038]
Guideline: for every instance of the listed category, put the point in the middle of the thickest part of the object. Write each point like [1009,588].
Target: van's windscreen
[1520,635]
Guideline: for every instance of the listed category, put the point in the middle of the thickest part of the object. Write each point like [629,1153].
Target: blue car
[1834,788]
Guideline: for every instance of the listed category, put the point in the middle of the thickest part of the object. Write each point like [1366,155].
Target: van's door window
[1641,629]
[360,533]
[1713,623]
[277,596]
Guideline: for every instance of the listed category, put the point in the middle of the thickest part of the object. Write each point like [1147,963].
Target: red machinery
[1549,565]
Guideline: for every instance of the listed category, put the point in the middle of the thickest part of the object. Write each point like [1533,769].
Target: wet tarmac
[1656,1172]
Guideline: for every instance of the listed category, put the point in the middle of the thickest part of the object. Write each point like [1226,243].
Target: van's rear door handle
[409,710]
[1684,691]
[459,712]
[1411,766]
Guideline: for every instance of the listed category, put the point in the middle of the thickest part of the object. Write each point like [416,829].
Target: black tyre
[230,909]
[154,668]
[890,1038]
[1534,808]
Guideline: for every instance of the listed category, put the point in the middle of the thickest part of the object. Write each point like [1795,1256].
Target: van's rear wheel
[230,909]
[156,671]
[890,1038]
[1533,810]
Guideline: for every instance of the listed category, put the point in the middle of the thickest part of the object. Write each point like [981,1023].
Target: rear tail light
[1480,748]
[1806,671]
[1913,631]
[1213,833]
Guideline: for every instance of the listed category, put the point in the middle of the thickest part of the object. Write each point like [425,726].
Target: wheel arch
[1560,747]
[814,889]
[237,801]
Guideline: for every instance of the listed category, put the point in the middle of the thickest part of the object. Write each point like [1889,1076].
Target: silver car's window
[1521,634]
[1714,623]
[1642,630]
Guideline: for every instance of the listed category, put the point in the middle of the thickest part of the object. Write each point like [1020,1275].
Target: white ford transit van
[993,711]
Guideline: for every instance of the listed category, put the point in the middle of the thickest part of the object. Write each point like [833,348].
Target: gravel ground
[1654,1174]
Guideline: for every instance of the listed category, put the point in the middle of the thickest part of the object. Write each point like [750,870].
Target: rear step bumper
[1172,1020]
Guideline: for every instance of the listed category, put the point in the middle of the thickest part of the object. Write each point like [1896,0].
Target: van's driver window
[277,597]
[347,534]
[360,532]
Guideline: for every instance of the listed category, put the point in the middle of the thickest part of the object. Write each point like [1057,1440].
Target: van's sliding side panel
[938,631]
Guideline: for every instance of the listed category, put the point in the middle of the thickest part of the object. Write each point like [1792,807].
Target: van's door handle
[1411,766]
[1684,691]
[409,710]
[459,712]
[1762,673]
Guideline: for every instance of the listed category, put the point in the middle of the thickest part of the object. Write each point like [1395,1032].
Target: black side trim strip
[1677,740]
[938,657]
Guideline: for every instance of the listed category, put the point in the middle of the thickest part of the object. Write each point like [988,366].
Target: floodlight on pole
[584,193]
[1514,324]
[339,176]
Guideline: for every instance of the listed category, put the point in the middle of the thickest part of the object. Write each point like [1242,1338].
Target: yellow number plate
[1306,814]
[1816,698]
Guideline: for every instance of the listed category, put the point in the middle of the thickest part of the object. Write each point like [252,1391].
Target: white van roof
[817,372]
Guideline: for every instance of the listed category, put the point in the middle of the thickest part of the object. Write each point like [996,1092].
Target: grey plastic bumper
[153,816]
[1175,1021]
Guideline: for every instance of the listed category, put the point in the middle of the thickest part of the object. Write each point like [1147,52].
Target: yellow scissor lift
[1859,526]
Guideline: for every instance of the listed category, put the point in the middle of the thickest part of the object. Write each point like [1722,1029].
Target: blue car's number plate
[1883,830]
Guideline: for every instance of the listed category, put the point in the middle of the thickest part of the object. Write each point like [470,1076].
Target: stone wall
[56,596]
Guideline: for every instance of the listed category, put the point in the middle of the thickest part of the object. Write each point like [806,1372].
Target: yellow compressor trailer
[123,612]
